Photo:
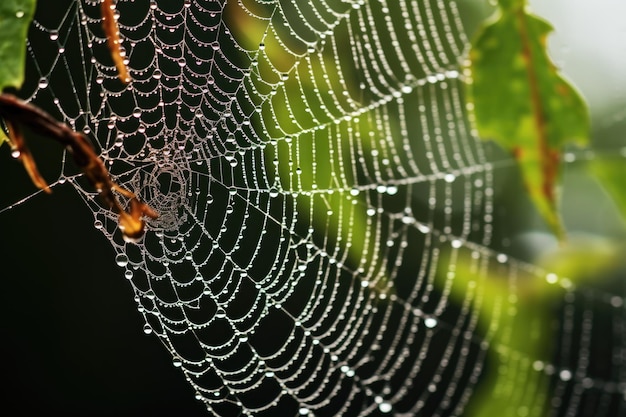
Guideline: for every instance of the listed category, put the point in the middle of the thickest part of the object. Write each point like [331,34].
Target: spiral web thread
[318,184]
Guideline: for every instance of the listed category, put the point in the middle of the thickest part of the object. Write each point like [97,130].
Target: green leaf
[520,101]
[15,19]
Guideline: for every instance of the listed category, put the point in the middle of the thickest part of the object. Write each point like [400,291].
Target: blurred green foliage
[516,309]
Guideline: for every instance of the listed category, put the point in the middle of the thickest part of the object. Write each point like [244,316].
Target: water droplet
[273,192]
[128,274]
[153,4]
[147,329]
[43,82]
[430,322]
[187,3]
[303,411]
[617,301]
[157,74]
[137,112]
[552,278]
[121,260]
[177,362]
[565,375]
[182,62]
[98,224]
[54,35]
[423,228]
[384,407]
[15,153]
[19,14]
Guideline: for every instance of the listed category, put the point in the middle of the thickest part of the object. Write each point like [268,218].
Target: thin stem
[17,112]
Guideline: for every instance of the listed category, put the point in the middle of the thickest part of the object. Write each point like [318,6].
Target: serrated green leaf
[520,100]
[15,19]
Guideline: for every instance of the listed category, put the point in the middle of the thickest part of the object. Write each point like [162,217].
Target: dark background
[72,339]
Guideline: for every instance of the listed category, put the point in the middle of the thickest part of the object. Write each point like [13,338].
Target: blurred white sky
[589,45]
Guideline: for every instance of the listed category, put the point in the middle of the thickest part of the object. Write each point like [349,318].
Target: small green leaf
[15,19]
[520,101]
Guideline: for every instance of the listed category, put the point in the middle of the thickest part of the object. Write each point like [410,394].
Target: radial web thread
[319,187]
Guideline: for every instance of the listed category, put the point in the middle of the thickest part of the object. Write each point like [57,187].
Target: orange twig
[21,151]
[15,111]
[112,31]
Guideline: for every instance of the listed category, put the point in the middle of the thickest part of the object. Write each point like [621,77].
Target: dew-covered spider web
[322,197]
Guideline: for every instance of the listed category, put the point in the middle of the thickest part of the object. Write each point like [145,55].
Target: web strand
[319,188]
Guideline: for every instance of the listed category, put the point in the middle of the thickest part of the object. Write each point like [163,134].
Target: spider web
[318,184]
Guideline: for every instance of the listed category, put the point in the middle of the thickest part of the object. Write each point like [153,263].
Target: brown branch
[21,151]
[17,112]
